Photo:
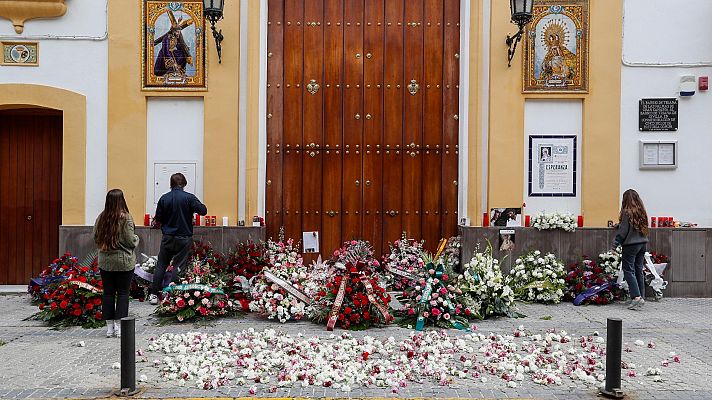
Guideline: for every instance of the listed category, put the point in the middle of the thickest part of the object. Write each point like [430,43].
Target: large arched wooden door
[362,130]
[30,192]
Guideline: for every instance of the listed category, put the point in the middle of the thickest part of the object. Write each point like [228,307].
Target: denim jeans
[632,258]
[177,249]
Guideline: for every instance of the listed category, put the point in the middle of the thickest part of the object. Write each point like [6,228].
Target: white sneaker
[153,299]
[117,328]
[109,328]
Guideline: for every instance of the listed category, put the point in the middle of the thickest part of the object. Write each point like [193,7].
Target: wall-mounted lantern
[521,15]
[213,12]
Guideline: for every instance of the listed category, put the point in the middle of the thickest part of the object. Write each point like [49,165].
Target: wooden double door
[362,119]
[30,192]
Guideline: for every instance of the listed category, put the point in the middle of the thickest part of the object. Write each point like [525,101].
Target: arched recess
[73,107]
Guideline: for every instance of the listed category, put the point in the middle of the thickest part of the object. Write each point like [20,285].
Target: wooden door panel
[353,119]
[451,76]
[293,118]
[30,194]
[333,126]
[292,194]
[373,124]
[373,159]
[313,71]
[393,76]
[312,97]
[275,116]
[432,121]
[331,206]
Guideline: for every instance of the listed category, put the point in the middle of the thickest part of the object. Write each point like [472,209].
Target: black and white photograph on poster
[552,166]
[506,216]
[506,240]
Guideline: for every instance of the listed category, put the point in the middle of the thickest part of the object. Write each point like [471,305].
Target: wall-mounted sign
[552,166]
[658,154]
[657,114]
[25,54]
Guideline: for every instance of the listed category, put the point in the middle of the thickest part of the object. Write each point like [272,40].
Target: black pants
[176,248]
[632,258]
[115,301]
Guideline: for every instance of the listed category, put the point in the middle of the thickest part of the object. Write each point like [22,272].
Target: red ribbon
[334,316]
[372,298]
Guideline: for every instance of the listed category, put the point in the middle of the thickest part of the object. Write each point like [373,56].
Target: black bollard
[614,339]
[128,356]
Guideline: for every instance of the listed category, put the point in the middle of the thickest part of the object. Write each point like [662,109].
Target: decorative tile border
[25,54]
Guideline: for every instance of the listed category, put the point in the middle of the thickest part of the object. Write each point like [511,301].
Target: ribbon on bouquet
[286,286]
[84,285]
[372,298]
[334,315]
[194,286]
[401,273]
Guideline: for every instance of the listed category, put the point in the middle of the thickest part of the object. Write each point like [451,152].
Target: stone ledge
[19,11]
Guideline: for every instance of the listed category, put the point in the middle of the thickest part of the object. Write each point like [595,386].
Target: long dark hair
[108,228]
[633,207]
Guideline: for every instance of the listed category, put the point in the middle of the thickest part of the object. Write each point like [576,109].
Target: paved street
[39,362]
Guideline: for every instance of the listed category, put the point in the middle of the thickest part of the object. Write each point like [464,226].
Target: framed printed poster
[173,48]
[556,47]
[552,166]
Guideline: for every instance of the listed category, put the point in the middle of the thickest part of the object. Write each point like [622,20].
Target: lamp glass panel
[517,6]
[529,6]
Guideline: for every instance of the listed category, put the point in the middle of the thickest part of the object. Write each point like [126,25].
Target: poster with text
[552,166]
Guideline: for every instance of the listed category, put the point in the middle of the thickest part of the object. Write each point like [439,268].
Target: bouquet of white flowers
[551,221]
[279,291]
[484,291]
[610,261]
[539,278]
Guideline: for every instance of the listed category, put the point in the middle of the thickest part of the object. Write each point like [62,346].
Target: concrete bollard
[614,347]
[128,356]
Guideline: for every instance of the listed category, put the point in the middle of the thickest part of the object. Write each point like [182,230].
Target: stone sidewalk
[39,362]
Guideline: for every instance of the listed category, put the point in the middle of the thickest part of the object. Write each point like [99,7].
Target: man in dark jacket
[175,214]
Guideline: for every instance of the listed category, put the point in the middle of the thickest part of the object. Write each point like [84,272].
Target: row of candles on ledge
[207,220]
[655,222]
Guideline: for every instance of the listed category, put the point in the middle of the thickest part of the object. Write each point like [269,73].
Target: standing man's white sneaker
[153,299]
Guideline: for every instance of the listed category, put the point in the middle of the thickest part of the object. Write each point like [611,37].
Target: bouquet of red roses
[61,269]
[352,298]
[74,300]
[244,263]
[199,295]
[587,274]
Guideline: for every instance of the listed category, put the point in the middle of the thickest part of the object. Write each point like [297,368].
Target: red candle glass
[197,220]
[580,221]
[147,220]
[653,222]
[527,220]
[485,220]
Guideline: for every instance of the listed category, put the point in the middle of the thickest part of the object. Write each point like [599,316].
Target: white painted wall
[73,55]
[552,117]
[175,129]
[662,41]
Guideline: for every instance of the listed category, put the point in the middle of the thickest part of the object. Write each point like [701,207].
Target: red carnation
[63,304]
[53,306]
[77,312]
[365,355]
[42,306]
[89,306]
[347,310]
[180,302]
[366,315]
[98,315]
[97,301]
